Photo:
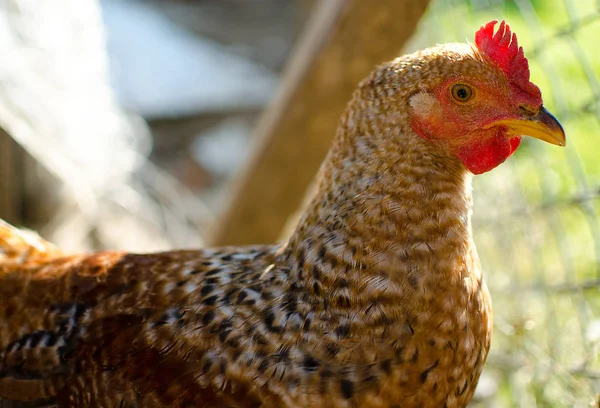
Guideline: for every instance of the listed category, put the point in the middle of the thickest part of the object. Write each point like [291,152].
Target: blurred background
[148,125]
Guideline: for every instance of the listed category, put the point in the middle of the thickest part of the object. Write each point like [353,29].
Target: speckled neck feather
[386,196]
[385,250]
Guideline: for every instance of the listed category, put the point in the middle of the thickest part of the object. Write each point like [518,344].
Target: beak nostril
[528,110]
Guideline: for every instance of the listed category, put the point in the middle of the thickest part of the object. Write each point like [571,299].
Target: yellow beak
[543,126]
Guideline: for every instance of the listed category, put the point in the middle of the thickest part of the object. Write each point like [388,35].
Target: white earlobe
[424,105]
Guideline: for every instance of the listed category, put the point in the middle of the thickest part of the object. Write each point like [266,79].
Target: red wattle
[483,155]
[514,143]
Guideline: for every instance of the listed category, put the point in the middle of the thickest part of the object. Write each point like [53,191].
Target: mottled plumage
[376,299]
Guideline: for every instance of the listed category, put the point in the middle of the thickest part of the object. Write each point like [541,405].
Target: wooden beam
[344,41]
[10,179]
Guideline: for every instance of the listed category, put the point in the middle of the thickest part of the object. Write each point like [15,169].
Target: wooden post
[10,179]
[344,41]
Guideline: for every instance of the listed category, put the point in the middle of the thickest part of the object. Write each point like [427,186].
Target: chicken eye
[462,93]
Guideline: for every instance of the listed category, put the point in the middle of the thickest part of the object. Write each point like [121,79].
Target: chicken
[375,300]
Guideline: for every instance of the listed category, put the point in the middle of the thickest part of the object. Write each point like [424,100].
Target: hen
[376,299]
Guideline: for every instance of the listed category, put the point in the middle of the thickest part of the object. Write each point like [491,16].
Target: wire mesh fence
[536,219]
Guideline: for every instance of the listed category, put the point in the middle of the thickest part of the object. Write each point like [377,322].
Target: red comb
[504,50]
